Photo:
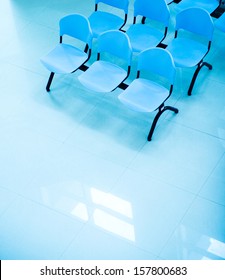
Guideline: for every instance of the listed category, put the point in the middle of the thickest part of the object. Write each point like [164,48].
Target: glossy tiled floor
[78,180]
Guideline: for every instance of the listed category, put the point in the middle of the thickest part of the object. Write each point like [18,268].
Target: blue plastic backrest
[77,26]
[116,43]
[152,9]
[120,4]
[158,61]
[196,20]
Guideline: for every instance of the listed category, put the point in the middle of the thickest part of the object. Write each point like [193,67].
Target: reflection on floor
[78,179]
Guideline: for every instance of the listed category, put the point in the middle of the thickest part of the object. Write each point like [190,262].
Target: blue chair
[105,75]
[209,5]
[67,58]
[102,21]
[189,51]
[143,36]
[146,95]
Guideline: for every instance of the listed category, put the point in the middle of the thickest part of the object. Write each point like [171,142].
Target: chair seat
[64,59]
[102,76]
[208,5]
[143,37]
[186,52]
[144,95]
[103,21]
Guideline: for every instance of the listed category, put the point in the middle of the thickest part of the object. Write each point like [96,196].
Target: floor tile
[168,156]
[197,111]
[153,208]
[30,231]
[6,199]
[95,244]
[63,181]
[214,189]
[22,155]
[200,235]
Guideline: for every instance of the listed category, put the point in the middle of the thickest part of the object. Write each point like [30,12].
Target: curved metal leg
[199,67]
[175,110]
[50,81]
[207,65]
[161,110]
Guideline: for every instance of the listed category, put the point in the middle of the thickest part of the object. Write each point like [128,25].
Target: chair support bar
[161,109]
[50,81]
[199,67]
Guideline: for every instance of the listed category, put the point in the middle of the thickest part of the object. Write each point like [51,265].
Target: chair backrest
[195,20]
[153,9]
[116,43]
[76,26]
[158,61]
[120,4]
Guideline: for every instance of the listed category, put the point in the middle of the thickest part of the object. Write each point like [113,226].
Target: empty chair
[147,95]
[67,58]
[189,51]
[208,5]
[102,21]
[143,36]
[104,75]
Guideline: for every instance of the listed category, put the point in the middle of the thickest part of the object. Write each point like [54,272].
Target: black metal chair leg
[154,123]
[199,67]
[173,109]
[50,81]
[161,110]
[194,78]
[207,65]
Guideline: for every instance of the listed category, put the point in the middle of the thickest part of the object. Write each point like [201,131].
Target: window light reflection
[111,202]
[114,224]
[109,212]
[80,211]
[217,248]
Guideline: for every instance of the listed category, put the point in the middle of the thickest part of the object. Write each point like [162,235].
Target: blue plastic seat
[102,21]
[67,58]
[143,36]
[104,75]
[190,51]
[209,5]
[147,95]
